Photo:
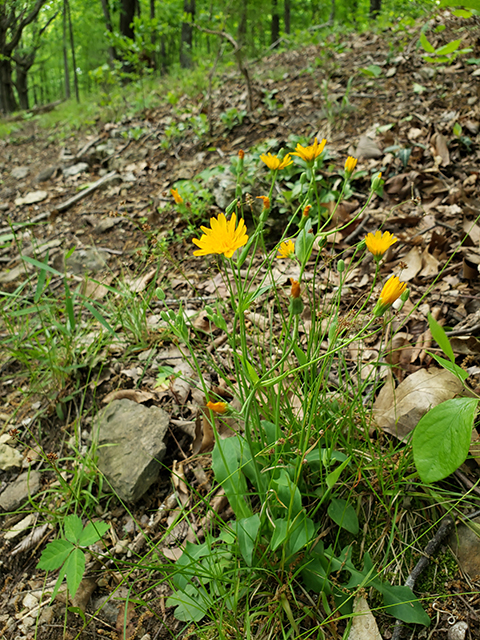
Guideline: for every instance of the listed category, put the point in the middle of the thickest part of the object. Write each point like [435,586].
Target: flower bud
[303,178]
[377,181]
[341,266]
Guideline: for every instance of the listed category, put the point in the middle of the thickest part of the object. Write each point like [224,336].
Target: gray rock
[19,173]
[18,491]
[131,446]
[458,631]
[108,609]
[84,260]
[10,458]
[45,175]
[75,169]
[367,148]
[465,544]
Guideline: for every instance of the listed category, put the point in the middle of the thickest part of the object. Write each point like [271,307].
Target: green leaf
[462,13]
[251,373]
[403,605]
[247,529]
[41,282]
[429,48]
[42,265]
[441,439]
[343,514]
[457,129]
[73,528]
[440,337]
[74,569]
[418,88]
[225,464]
[279,533]
[188,608]
[450,366]
[54,555]
[468,4]
[92,533]
[448,48]
[333,477]
[300,534]
[304,243]
[98,316]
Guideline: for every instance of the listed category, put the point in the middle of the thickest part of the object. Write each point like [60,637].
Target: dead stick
[83,194]
[431,548]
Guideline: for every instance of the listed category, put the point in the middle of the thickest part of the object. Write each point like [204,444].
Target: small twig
[349,239]
[83,194]
[432,547]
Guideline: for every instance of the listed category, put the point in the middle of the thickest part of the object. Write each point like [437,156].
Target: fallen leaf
[413,260]
[179,483]
[429,265]
[364,625]
[204,437]
[130,394]
[124,626]
[398,411]
[441,148]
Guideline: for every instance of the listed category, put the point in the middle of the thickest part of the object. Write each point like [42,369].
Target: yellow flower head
[218,407]
[286,249]
[223,237]
[380,242]
[350,164]
[391,291]
[176,196]
[266,201]
[311,152]
[275,163]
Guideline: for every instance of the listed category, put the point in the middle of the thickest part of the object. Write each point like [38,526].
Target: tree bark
[112,54]
[375,8]
[127,13]
[66,72]
[275,33]
[72,47]
[287,9]
[242,24]
[331,18]
[8,102]
[187,35]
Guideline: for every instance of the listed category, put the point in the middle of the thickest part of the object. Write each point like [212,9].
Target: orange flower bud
[295,292]
[241,154]
[266,201]
[217,407]
[306,211]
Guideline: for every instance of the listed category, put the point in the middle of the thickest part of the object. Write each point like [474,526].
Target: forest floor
[372,96]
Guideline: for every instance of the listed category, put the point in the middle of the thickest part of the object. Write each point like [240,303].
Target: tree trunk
[127,13]
[242,24]
[375,8]
[275,33]
[331,17]
[72,47]
[112,54]
[8,102]
[187,35]
[21,86]
[65,52]
[287,8]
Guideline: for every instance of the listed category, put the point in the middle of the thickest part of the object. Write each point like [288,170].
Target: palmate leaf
[92,533]
[74,570]
[73,528]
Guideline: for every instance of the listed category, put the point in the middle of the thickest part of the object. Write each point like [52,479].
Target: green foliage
[66,553]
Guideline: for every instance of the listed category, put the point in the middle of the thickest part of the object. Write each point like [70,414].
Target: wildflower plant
[286,466]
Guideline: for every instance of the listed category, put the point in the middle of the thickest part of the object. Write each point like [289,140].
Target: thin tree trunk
[21,85]
[242,25]
[187,35]
[375,8]
[287,8]
[275,33]
[8,102]
[112,54]
[72,47]
[331,18]
[127,13]
[65,52]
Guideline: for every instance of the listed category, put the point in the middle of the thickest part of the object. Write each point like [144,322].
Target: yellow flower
[380,242]
[274,162]
[218,407]
[266,201]
[286,249]
[222,237]
[311,152]
[392,290]
[350,164]
[176,196]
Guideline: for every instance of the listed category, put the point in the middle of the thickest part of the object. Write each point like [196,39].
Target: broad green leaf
[403,605]
[457,129]
[462,13]
[448,48]
[252,374]
[468,4]
[343,514]
[315,575]
[73,528]
[304,243]
[300,534]
[54,555]
[92,533]
[429,48]
[188,608]
[74,570]
[450,366]
[247,530]
[279,533]
[225,464]
[440,337]
[441,438]
[333,477]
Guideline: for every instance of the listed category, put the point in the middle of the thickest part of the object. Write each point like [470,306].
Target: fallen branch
[83,194]
[432,547]
[35,111]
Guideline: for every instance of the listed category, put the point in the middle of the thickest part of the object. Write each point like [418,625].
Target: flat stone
[18,528]
[31,198]
[27,484]
[86,260]
[10,458]
[75,169]
[465,544]
[367,148]
[130,440]
[45,175]
[19,173]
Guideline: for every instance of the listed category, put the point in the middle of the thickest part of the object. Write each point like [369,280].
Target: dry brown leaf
[473,232]
[129,394]
[204,438]
[136,285]
[429,265]
[84,592]
[467,345]
[413,260]
[179,483]
[441,148]
[124,625]
[367,148]
[398,411]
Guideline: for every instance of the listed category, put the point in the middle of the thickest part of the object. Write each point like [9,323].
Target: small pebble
[458,631]
[29,601]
